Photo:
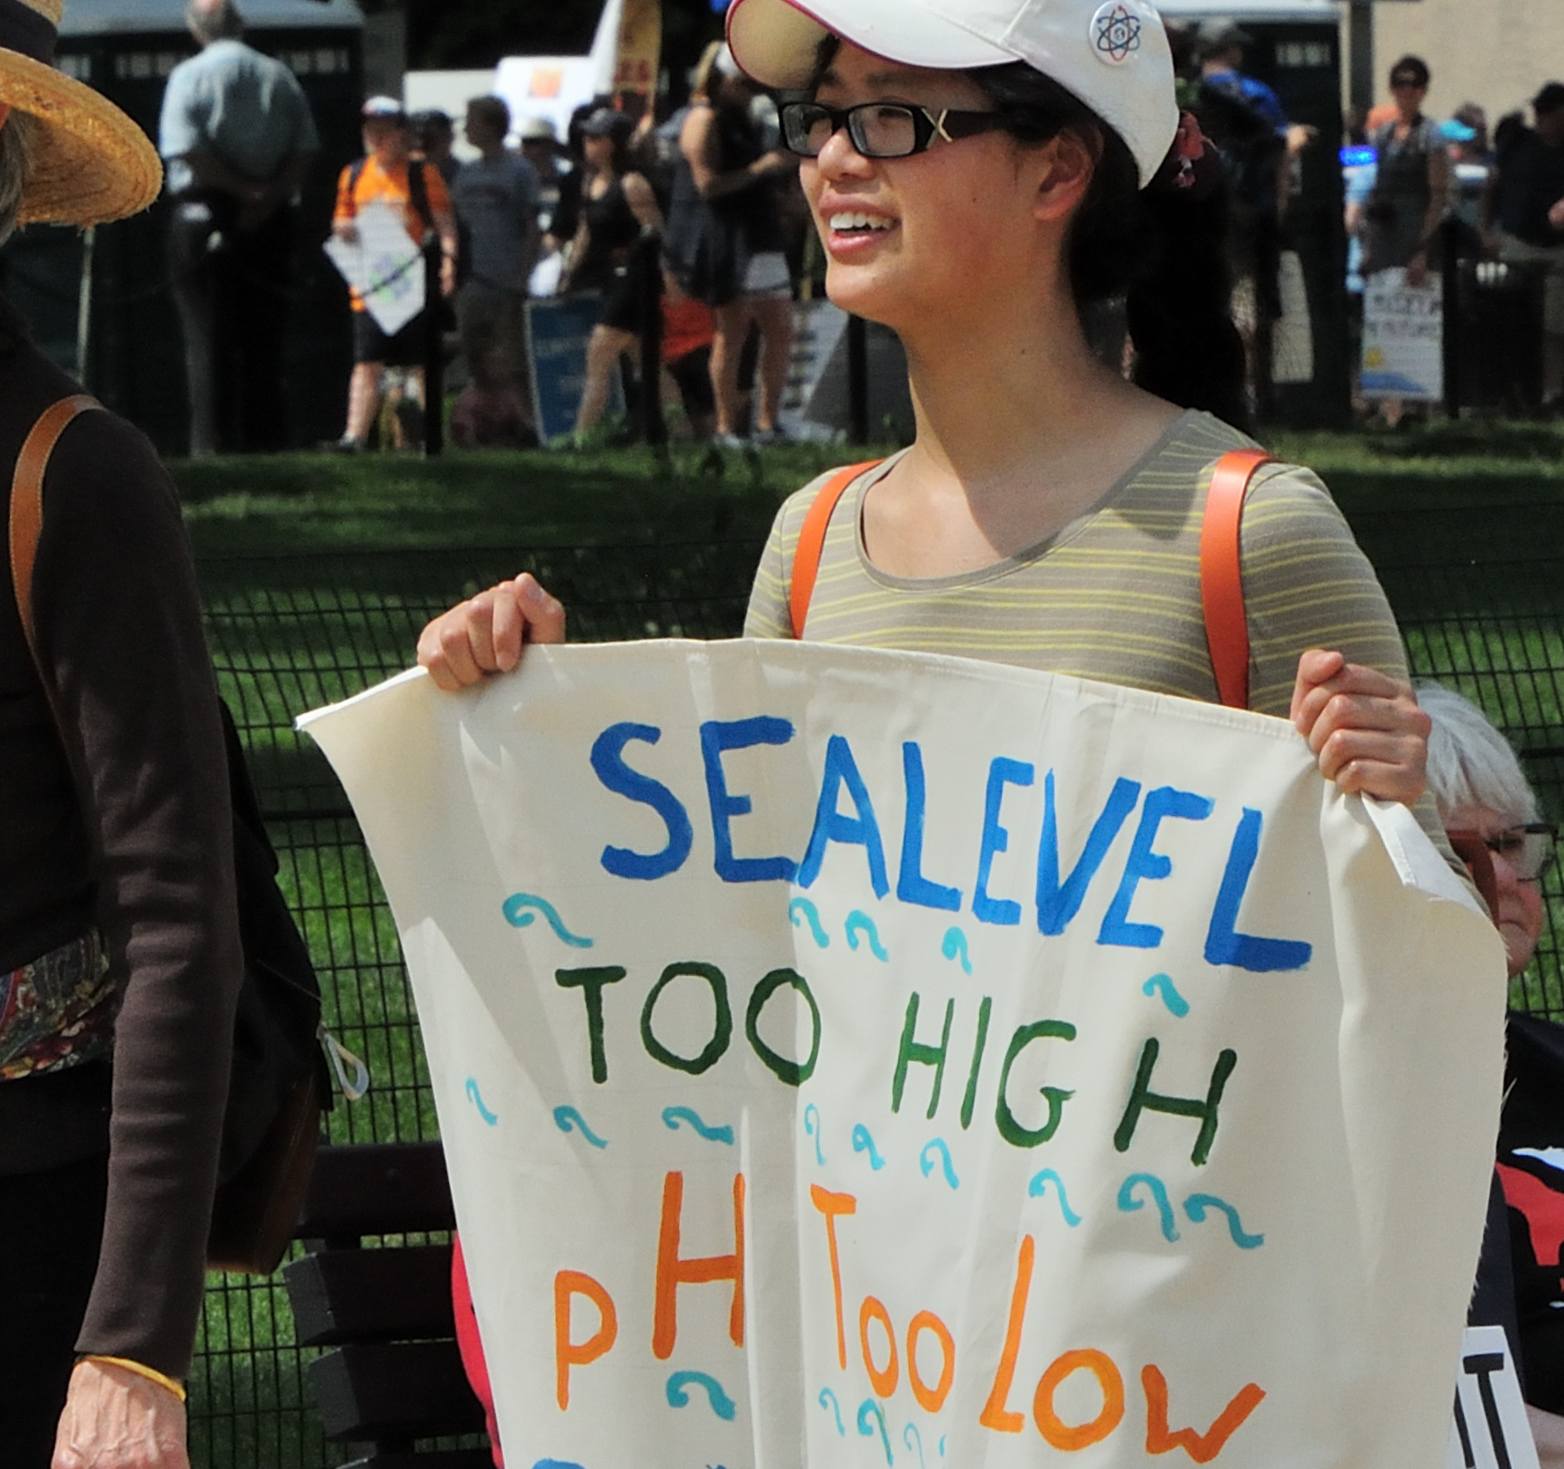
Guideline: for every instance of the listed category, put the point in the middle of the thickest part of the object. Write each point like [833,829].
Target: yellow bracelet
[142,1370]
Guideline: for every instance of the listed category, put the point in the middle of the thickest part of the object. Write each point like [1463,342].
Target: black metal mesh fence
[1479,595]
[290,634]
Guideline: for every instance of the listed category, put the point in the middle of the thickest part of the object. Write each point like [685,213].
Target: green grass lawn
[321,502]
[325,502]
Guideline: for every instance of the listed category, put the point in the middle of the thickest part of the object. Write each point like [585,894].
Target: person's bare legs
[731,327]
[363,399]
[774,316]
[604,349]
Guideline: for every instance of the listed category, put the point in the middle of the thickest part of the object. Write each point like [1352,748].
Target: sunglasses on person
[1527,848]
[879,129]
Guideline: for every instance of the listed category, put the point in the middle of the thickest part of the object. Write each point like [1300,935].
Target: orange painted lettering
[995,1414]
[1074,1436]
[931,1399]
[830,1205]
[674,1271]
[568,1353]
[883,1379]
[1201,1447]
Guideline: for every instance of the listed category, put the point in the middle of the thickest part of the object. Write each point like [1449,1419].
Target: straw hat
[91,163]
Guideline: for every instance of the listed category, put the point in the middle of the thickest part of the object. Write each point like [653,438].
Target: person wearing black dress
[725,239]
[617,207]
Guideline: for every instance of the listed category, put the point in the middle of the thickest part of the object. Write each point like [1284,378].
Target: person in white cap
[980,171]
[559,188]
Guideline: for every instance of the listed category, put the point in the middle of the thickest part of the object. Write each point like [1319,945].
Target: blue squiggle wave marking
[942,1445]
[803,908]
[812,1128]
[870,1417]
[863,1142]
[859,922]
[679,1386]
[673,1116]
[954,946]
[828,1400]
[1197,1205]
[567,1119]
[938,1146]
[914,1440]
[522,908]
[490,1118]
[1159,1193]
[1163,986]
[1038,1188]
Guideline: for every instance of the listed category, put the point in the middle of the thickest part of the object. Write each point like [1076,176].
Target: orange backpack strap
[1221,576]
[26,521]
[811,540]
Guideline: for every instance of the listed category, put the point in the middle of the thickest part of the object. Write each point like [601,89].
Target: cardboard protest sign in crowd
[850,1058]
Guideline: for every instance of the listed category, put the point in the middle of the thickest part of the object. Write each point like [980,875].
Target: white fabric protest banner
[848,1058]
[384,265]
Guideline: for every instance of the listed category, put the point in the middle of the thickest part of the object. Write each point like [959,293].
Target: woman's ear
[1068,163]
[5,112]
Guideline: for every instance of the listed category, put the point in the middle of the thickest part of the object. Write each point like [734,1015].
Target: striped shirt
[1115,594]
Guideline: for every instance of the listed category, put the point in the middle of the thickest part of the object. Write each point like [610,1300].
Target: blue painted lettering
[608,764]
[1144,863]
[996,839]
[718,735]
[1224,944]
[831,825]
[911,885]
[1058,903]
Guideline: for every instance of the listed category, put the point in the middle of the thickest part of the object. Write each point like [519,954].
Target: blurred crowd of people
[1415,185]
[685,220]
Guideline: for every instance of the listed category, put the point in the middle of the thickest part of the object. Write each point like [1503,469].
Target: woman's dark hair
[1507,131]
[493,111]
[1161,249]
[1413,68]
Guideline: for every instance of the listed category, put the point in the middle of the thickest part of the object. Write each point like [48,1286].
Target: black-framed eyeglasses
[1526,848]
[879,129]
[1397,83]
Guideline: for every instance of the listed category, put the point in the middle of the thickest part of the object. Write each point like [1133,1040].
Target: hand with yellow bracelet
[121,1415]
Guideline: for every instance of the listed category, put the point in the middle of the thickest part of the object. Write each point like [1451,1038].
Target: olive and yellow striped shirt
[1115,595]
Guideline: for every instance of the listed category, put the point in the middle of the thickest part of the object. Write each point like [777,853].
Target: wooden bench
[392,1377]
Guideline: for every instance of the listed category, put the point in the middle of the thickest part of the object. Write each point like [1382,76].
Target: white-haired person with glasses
[1491,813]
[1496,826]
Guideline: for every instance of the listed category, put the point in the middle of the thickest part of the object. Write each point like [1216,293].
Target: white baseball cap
[1114,56]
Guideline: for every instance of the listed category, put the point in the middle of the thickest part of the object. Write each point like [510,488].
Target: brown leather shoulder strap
[27,503]
[1221,574]
[811,540]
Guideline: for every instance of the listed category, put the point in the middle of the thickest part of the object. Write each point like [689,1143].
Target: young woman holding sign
[981,171]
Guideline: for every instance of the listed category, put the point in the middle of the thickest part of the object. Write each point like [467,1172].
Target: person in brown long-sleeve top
[119,948]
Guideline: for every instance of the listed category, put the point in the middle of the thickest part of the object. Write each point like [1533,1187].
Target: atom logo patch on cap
[1116,33]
